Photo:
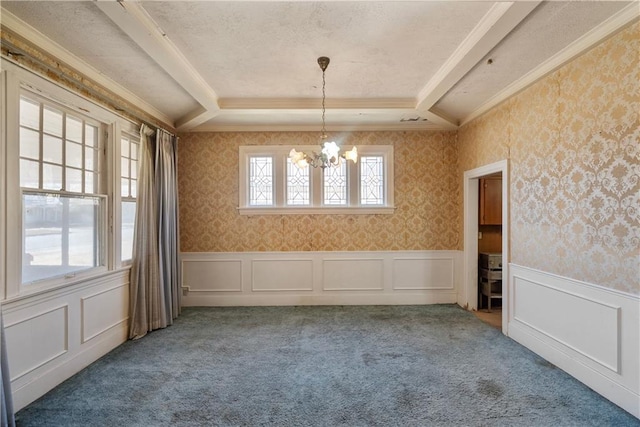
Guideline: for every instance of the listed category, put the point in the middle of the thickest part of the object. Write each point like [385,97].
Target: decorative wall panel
[601,344]
[282,275]
[95,319]
[320,278]
[37,340]
[426,198]
[573,140]
[203,275]
[586,330]
[365,274]
[423,273]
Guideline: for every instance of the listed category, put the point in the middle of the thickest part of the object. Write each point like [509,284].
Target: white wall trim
[31,318]
[589,331]
[24,394]
[413,287]
[39,364]
[213,262]
[469,290]
[615,367]
[329,278]
[587,41]
[85,313]
[46,44]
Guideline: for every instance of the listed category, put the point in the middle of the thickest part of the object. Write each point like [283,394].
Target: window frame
[134,138]
[99,191]
[280,155]
[14,81]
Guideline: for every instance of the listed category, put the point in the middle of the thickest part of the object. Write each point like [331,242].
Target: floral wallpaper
[573,140]
[426,198]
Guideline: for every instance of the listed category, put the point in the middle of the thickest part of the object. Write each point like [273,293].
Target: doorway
[469,294]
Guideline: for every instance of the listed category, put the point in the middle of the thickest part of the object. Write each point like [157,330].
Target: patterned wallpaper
[426,197]
[573,140]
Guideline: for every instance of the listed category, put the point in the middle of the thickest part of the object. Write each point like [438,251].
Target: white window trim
[280,153]
[130,132]
[14,80]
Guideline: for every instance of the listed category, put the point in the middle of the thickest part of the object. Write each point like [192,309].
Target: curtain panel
[155,279]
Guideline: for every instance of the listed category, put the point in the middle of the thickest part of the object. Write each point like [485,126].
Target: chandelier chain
[329,154]
[323,107]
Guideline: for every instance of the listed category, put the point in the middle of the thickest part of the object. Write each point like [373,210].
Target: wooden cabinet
[490,201]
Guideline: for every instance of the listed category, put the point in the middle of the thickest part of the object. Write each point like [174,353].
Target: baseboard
[615,392]
[320,278]
[55,375]
[288,300]
[590,332]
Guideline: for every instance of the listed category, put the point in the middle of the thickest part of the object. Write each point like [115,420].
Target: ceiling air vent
[413,119]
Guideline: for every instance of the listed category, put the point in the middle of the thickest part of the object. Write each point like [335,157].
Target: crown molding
[496,24]
[26,31]
[597,35]
[405,126]
[138,25]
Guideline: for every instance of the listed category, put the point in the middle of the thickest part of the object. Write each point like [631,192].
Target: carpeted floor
[434,365]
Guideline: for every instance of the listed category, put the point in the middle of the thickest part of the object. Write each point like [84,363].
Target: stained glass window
[261,181]
[371,180]
[298,182]
[335,185]
[271,184]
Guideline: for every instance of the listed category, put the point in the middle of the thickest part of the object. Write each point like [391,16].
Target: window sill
[380,210]
[48,289]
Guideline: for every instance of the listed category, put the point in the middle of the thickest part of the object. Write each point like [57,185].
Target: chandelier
[329,154]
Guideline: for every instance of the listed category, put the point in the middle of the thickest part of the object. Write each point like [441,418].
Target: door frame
[469,295]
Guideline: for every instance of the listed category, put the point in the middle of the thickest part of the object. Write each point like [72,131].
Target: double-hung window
[270,183]
[62,187]
[129,145]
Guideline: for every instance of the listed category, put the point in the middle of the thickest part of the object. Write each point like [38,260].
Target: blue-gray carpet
[431,365]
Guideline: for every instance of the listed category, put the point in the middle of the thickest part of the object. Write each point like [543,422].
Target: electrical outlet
[479,235]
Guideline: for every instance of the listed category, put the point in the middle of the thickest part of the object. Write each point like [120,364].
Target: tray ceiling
[240,65]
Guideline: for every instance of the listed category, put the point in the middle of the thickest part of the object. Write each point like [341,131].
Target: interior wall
[427,214]
[572,140]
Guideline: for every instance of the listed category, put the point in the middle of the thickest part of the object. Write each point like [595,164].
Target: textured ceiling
[239,65]
[536,39]
[378,50]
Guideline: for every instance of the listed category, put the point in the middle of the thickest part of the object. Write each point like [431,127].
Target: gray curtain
[167,188]
[155,288]
[6,401]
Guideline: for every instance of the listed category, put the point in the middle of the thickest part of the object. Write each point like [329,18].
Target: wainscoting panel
[38,339]
[321,278]
[538,305]
[96,320]
[282,275]
[212,275]
[424,273]
[352,274]
[589,331]
[52,334]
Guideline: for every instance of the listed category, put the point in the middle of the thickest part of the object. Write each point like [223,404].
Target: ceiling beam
[34,36]
[136,23]
[594,36]
[496,24]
